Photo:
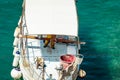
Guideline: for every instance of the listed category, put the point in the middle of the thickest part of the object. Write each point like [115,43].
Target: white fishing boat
[46,45]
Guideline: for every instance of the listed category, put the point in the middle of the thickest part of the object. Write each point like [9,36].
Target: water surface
[99,27]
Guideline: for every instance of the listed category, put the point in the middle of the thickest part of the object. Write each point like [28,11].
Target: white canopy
[51,17]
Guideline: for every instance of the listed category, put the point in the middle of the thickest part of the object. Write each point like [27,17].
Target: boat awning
[51,17]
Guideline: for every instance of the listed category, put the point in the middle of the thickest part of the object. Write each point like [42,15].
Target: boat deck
[51,56]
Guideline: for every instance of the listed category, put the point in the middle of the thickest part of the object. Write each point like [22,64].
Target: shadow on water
[95,21]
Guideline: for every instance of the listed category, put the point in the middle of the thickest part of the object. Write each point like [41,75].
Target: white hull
[51,58]
[38,60]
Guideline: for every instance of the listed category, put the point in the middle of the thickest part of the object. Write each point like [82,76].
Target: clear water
[99,22]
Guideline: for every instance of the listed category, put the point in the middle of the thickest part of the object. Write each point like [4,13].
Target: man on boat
[50,39]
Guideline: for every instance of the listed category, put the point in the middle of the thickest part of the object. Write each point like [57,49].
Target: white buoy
[82,73]
[16,59]
[17,32]
[15,50]
[15,43]
[16,73]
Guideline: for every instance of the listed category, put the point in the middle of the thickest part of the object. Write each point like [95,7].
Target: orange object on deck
[66,60]
[51,40]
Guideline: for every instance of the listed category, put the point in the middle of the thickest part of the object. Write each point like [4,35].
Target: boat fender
[82,73]
[15,43]
[79,59]
[16,59]
[15,50]
[16,73]
[17,31]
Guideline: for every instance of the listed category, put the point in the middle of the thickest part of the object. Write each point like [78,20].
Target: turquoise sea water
[99,27]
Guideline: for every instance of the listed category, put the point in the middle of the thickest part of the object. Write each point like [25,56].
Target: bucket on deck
[66,60]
